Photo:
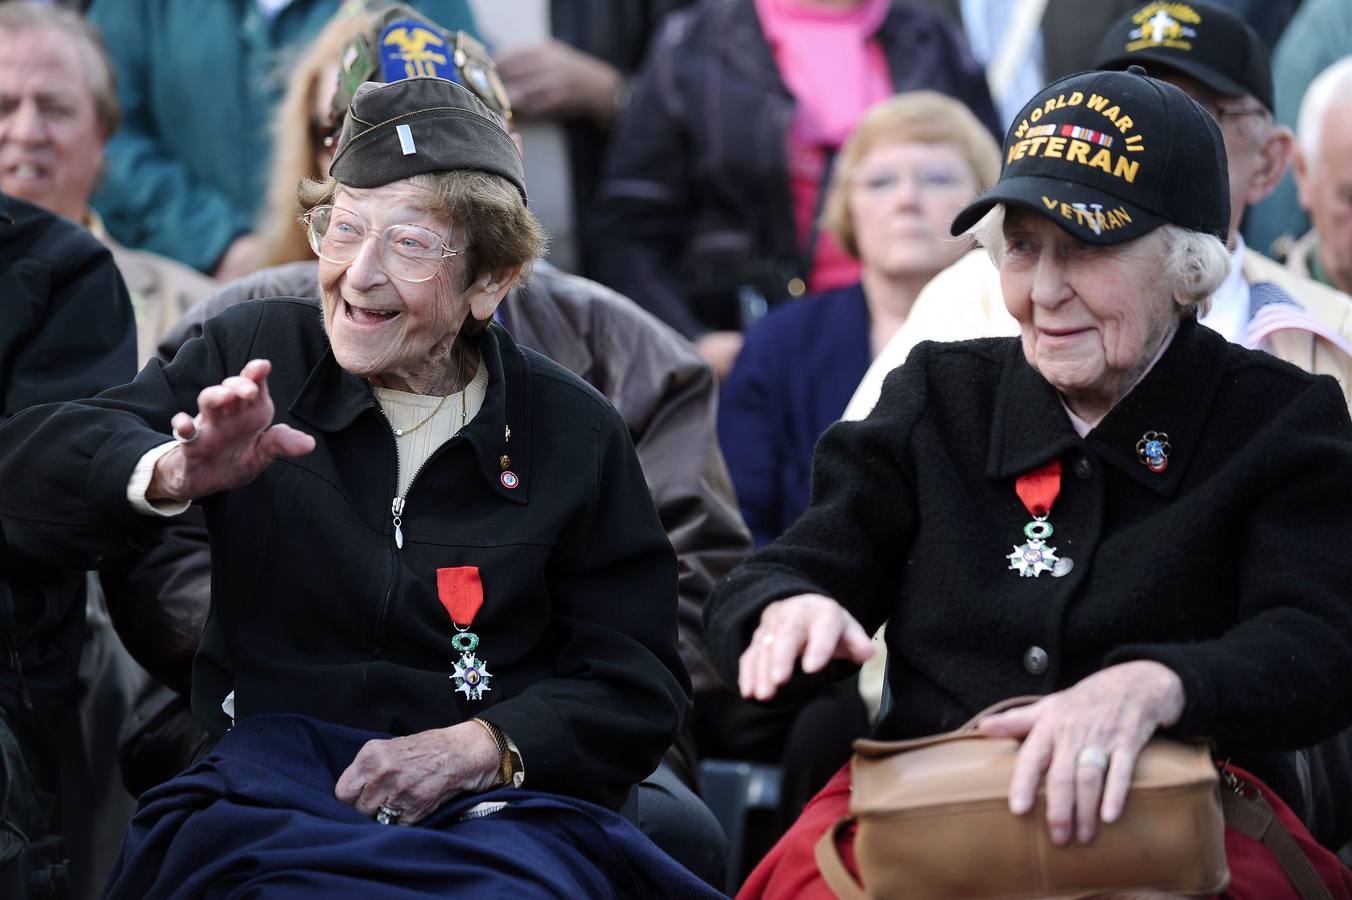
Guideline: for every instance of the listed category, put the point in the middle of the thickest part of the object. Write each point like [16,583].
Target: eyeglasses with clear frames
[407,252]
[884,181]
[1221,113]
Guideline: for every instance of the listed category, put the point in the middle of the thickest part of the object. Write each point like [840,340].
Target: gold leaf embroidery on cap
[412,43]
[1163,25]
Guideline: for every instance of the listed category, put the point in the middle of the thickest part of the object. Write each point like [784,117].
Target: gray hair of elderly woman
[1193,264]
[487,212]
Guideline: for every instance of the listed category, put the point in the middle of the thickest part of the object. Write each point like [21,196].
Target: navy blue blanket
[257,818]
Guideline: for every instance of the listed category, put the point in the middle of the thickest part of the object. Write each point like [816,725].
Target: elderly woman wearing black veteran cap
[436,566]
[1118,511]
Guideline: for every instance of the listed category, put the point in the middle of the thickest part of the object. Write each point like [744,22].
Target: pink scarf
[829,62]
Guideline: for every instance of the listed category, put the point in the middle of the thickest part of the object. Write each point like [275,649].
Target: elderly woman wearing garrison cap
[436,566]
[1118,511]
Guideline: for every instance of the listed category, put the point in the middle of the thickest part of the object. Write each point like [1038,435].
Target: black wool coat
[1230,566]
[316,610]
[66,331]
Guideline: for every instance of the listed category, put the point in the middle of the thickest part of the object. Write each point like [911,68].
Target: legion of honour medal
[462,594]
[1038,491]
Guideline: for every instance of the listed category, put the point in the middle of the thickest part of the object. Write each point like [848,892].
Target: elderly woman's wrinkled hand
[1086,740]
[415,774]
[229,442]
[812,627]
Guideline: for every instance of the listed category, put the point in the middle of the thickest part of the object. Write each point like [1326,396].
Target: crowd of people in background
[744,211]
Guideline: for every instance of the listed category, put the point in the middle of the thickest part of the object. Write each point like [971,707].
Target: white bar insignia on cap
[405,140]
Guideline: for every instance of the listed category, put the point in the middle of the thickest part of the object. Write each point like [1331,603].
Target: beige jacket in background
[161,289]
[960,303]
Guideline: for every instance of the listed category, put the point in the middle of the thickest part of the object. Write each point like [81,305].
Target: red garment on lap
[1255,873]
[789,870]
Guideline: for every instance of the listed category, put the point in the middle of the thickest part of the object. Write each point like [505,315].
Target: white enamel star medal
[462,594]
[471,675]
[1034,557]
[1038,490]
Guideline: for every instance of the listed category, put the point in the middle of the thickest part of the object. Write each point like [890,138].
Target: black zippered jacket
[315,610]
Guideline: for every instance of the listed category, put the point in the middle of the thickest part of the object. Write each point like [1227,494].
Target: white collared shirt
[1083,427]
[1229,313]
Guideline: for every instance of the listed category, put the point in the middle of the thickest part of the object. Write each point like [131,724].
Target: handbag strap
[872,748]
[1001,706]
[832,867]
[1253,817]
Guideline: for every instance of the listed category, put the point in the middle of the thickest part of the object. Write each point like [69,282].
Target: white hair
[1330,86]
[1192,264]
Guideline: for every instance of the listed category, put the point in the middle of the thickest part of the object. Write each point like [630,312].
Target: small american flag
[1271,309]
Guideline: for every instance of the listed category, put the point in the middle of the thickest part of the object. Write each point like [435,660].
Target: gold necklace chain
[464,408]
[401,432]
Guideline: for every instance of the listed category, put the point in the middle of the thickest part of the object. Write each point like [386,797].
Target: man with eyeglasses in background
[1222,63]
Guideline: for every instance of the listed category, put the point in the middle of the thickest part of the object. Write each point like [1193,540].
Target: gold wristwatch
[508,766]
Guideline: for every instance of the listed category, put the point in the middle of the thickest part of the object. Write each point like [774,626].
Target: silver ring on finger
[767,639]
[388,815]
[1092,757]
[196,433]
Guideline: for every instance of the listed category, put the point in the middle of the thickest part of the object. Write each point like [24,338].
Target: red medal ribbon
[1039,488]
[461,592]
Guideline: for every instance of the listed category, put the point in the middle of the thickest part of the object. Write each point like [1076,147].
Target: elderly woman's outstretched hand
[229,442]
[812,627]
[1086,740]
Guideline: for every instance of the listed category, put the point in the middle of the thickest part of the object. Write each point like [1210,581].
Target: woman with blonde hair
[903,174]
[304,130]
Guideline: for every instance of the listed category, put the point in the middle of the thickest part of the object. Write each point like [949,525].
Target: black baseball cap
[1111,156]
[1208,43]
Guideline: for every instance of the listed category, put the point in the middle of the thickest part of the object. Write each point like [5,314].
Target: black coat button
[1035,660]
[1083,468]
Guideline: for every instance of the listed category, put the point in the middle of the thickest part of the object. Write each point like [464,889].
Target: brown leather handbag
[934,822]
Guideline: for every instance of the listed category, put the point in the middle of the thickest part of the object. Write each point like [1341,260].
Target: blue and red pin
[1153,450]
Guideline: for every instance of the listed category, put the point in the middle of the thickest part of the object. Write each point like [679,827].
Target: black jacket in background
[315,610]
[616,32]
[1230,567]
[66,331]
[694,200]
